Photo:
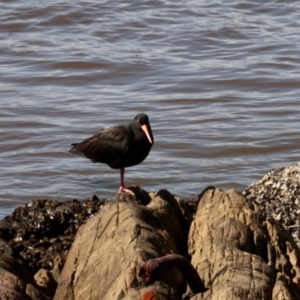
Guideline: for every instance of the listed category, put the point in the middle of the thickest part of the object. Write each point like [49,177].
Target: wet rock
[278,195]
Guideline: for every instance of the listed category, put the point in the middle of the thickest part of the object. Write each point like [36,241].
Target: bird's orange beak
[146,130]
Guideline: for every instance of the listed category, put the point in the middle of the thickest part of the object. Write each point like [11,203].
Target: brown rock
[238,251]
[57,267]
[154,269]
[110,248]
[5,249]
[16,282]
[44,279]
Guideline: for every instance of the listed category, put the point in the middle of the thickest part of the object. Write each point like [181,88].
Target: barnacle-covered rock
[35,234]
[278,195]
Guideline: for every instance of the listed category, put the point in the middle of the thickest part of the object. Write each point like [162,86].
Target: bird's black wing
[107,146]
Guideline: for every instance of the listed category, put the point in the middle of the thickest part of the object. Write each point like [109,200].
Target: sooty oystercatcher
[119,147]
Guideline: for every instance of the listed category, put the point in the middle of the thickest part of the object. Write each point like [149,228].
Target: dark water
[220,82]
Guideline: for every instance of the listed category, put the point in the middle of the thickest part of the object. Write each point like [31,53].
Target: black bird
[119,147]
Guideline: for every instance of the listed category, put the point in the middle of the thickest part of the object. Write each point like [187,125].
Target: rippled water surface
[219,81]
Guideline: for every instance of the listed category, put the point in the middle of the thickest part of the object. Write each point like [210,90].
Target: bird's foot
[122,189]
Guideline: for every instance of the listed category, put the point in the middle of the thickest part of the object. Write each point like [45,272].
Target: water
[219,81]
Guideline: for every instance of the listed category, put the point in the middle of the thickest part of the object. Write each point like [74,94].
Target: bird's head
[143,120]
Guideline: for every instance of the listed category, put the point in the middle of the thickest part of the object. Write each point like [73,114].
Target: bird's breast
[136,153]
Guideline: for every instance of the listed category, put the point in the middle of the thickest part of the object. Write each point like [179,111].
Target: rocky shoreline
[44,229]
[242,245]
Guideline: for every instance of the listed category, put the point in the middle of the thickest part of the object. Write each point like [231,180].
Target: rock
[16,282]
[5,249]
[278,195]
[44,229]
[44,279]
[240,253]
[154,269]
[154,245]
[57,267]
[110,249]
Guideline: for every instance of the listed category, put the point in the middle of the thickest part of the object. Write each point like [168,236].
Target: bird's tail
[76,151]
[73,150]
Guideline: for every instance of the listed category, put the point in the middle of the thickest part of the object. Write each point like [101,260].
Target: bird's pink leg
[122,188]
